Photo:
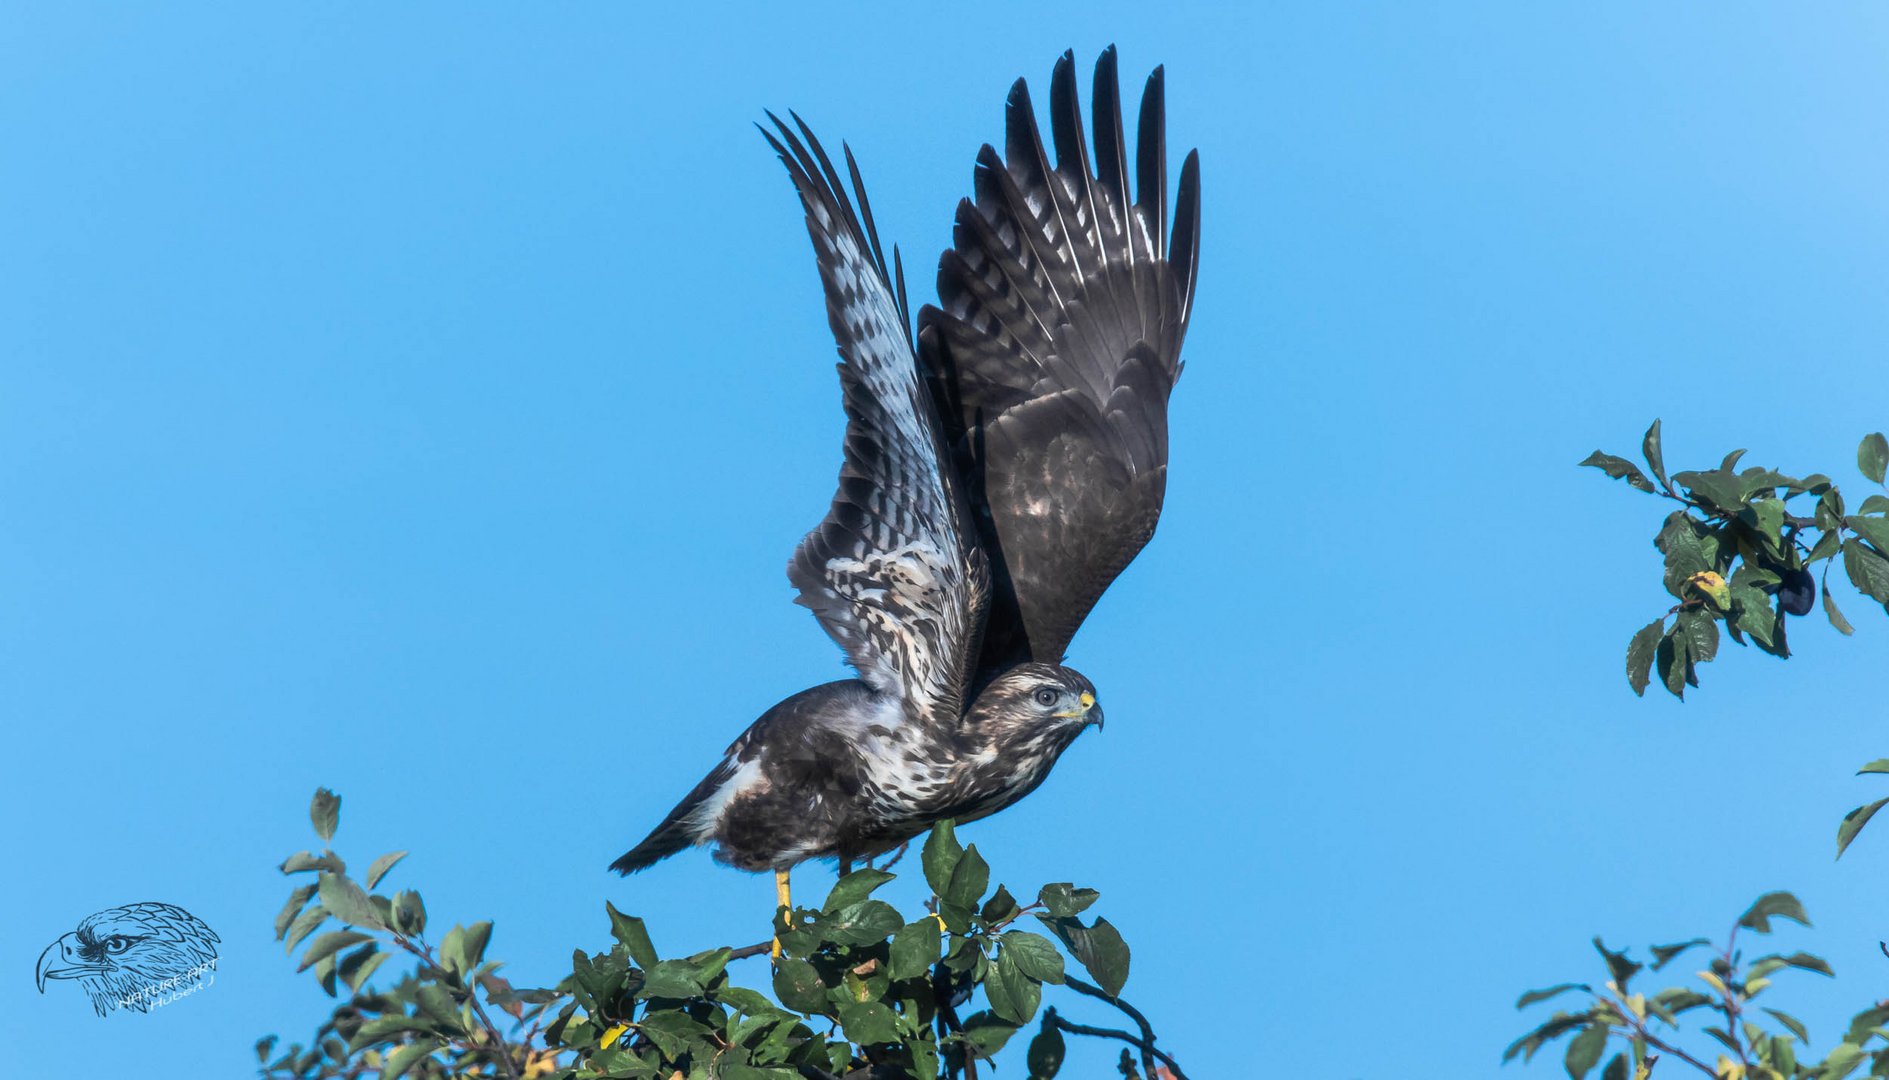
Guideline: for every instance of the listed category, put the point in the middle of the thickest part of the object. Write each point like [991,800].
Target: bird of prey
[132,957]
[999,473]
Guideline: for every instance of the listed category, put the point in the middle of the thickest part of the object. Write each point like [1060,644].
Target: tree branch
[1051,1017]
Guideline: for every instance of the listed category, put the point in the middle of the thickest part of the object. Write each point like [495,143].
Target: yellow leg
[784,900]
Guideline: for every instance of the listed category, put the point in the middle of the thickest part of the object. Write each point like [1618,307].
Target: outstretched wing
[1064,304]
[892,572]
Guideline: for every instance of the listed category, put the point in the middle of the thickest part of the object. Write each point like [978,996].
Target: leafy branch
[1736,554]
[859,991]
[1649,1025]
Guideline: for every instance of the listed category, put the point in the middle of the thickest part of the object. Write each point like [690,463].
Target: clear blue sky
[424,400]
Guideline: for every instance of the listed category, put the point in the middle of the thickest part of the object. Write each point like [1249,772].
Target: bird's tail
[680,829]
[670,837]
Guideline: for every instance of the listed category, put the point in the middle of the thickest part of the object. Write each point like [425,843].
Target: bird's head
[1037,700]
[120,954]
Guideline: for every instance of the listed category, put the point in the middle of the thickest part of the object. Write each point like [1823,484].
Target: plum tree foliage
[1736,556]
[1739,557]
[860,989]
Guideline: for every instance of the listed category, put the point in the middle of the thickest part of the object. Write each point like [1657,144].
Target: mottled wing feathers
[893,572]
[1062,306]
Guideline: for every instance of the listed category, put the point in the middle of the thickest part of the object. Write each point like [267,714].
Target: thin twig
[896,856]
[1050,1016]
[1147,1030]
[500,1046]
[750,950]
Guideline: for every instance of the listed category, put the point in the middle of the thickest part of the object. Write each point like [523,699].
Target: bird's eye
[117,943]
[1046,697]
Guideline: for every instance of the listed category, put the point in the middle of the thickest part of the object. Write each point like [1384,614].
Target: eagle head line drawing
[132,957]
[999,473]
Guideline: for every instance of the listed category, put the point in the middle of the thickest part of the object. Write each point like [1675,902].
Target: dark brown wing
[1064,304]
[892,573]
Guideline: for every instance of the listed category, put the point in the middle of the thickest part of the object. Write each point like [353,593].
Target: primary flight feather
[998,476]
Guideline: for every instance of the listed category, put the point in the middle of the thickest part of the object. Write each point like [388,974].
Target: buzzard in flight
[999,474]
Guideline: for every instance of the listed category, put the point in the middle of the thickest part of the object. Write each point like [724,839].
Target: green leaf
[325,812]
[303,925]
[1853,823]
[1827,545]
[409,913]
[1868,570]
[1766,516]
[1616,1069]
[1000,908]
[673,1032]
[1619,968]
[1872,456]
[1013,995]
[1663,954]
[452,950]
[941,855]
[1873,529]
[302,861]
[1547,992]
[1100,949]
[1701,632]
[379,867]
[1806,962]
[1655,459]
[1753,614]
[988,1032]
[738,1071]
[868,1022]
[1842,1061]
[854,887]
[969,878]
[402,1061]
[1880,765]
[1753,481]
[1619,468]
[710,963]
[1795,1025]
[1672,661]
[1690,548]
[1045,1057]
[1720,489]
[1034,955]
[1835,616]
[797,984]
[297,900]
[867,922]
[672,979]
[477,936]
[914,949]
[629,930]
[1875,504]
[346,902]
[1639,658]
[363,969]
[1585,1050]
[1864,1023]
[1772,905]
[1063,899]
[328,944]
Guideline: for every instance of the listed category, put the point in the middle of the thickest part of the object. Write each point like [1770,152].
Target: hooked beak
[1089,712]
[62,960]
